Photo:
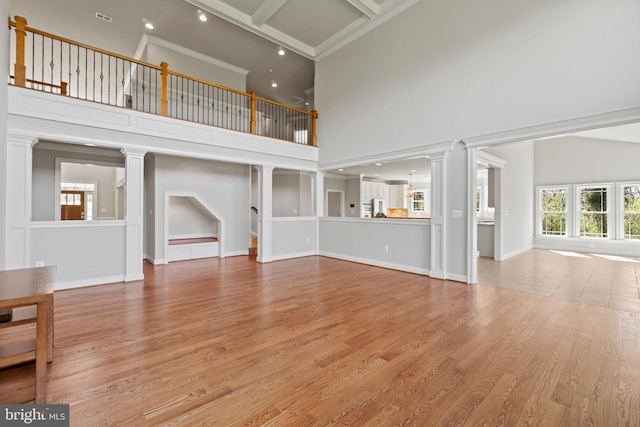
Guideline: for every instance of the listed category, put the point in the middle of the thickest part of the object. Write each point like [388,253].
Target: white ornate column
[472,224]
[134,213]
[18,175]
[265,212]
[319,205]
[4,115]
[438,217]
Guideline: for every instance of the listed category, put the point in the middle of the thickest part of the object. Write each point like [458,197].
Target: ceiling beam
[368,7]
[266,11]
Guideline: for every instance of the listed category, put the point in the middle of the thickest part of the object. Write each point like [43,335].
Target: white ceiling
[243,33]
[311,28]
[247,34]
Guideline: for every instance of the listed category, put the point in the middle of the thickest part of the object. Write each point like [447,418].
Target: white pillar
[265,212]
[17,205]
[319,205]
[472,224]
[4,114]
[134,213]
[438,217]
[18,201]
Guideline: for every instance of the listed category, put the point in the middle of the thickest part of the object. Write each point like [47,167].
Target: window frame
[568,210]
[611,220]
[620,213]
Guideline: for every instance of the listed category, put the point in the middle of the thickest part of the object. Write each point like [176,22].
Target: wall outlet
[590,245]
[307,240]
[386,248]
[457,214]
[39,263]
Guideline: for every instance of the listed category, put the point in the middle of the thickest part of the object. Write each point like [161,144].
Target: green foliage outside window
[593,212]
[632,212]
[554,208]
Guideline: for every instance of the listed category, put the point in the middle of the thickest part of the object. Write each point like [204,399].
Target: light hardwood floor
[604,280]
[318,341]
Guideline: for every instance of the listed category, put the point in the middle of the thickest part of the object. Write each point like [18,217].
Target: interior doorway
[335,202]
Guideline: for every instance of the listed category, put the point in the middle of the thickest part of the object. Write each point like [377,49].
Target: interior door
[72,205]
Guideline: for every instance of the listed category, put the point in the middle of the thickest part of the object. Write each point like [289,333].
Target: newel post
[164,99]
[314,119]
[253,122]
[20,70]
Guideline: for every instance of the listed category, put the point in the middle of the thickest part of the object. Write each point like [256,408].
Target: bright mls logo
[34,415]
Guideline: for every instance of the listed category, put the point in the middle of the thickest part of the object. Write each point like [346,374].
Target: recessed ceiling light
[281,51]
[378,164]
[149,25]
[202,16]
[274,84]
[340,170]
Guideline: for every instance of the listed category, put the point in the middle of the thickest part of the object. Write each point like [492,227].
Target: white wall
[446,70]
[72,248]
[187,220]
[293,237]
[352,196]
[286,193]
[574,160]
[517,196]
[223,187]
[401,244]
[195,67]
[456,200]
[292,193]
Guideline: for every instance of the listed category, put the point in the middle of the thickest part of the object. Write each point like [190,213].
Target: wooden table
[28,287]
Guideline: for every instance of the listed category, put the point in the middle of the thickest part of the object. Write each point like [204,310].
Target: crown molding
[148,39]
[595,121]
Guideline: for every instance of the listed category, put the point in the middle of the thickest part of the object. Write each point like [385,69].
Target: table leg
[41,350]
[50,333]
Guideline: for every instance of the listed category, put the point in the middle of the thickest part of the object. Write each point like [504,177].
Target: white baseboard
[516,252]
[291,256]
[154,261]
[377,263]
[88,282]
[193,251]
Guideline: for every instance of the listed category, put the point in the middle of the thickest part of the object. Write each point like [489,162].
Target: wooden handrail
[85,46]
[21,27]
[62,86]
[297,110]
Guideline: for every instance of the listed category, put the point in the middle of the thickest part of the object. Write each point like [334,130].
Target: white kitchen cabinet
[396,196]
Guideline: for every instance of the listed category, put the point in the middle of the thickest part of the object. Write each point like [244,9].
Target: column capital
[133,152]
[265,168]
[18,138]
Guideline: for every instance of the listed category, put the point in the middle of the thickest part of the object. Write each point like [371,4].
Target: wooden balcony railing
[54,64]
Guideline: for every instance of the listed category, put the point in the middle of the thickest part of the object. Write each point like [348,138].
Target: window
[590,211]
[553,211]
[631,211]
[594,211]
[417,203]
